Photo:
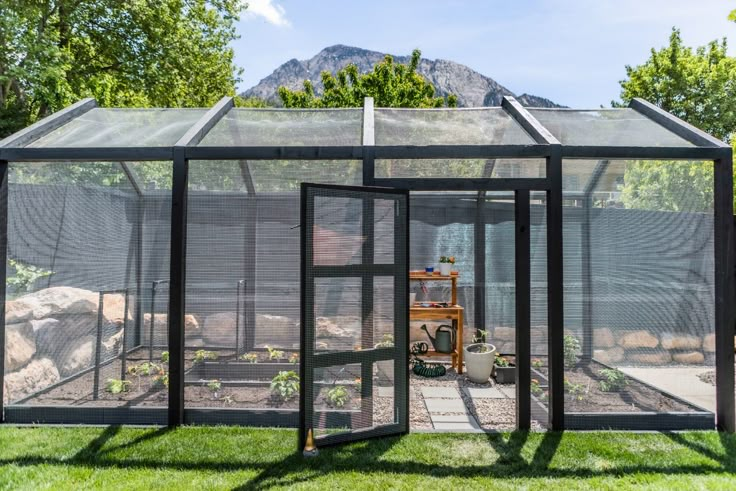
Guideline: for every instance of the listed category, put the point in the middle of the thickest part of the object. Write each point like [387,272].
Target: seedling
[294,359]
[274,354]
[250,357]
[613,380]
[162,379]
[535,387]
[576,390]
[201,355]
[147,368]
[285,385]
[115,386]
[214,386]
[165,357]
[387,341]
[537,363]
[480,338]
[228,400]
[570,351]
[338,396]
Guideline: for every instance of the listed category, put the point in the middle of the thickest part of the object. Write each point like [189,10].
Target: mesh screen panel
[486,126]
[468,168]
[615,127]
[355,371]
[278,127]
[105,127]
[639,287]
[77,257]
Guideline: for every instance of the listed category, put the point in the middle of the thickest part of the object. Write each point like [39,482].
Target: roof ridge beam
[527,121]
[48,124]
[199,130]
[674,124]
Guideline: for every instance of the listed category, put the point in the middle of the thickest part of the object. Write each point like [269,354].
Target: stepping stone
[445,405]
[440,393]
[484,393]
[508,390]
[455,422]
[385,391]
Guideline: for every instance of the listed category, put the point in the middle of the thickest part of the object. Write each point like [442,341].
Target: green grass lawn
[225,458]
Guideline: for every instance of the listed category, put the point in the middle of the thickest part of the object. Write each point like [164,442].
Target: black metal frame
[366,357]
[545,146]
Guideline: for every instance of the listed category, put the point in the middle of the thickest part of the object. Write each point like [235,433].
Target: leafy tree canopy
[698,86]
[167,53]
[390,84]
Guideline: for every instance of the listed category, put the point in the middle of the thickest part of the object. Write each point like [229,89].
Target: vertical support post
[306,324]
[152,319]
[523,309]
[555,313]
[124,352]
[251,231]
[369,140]
[238,296]
[177,285]
[139,272]
[401,308]
[3,273]
[368,211]
[98,347]
[479,244]
[725,292]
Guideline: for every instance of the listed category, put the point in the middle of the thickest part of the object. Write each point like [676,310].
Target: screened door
[354,313]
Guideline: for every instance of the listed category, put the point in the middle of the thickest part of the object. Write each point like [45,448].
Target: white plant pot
[445,269]
[412,298]
[478,365]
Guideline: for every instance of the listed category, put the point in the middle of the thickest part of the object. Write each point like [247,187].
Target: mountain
[472,88]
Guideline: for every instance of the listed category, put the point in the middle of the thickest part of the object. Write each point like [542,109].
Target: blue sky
[570,51]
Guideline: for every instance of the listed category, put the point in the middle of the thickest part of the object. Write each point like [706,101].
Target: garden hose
[419,367]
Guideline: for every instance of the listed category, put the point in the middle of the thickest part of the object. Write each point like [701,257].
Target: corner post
[522,246]
[3,273]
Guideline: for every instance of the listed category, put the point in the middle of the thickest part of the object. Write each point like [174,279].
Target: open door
[354,313]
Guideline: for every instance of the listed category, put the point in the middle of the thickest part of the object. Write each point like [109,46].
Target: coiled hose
[419,367]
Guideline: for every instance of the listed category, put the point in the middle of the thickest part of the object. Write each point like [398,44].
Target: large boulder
[219,329]
[680,341]
[608,356]
[653,358]
[76,356]
[638,339]
[16,311]
[603,338]
[20,345]
[61,300]
[341,332]
[113,345]
[709,343]
[38,374]
[689,358]
[277,330]
[49,334]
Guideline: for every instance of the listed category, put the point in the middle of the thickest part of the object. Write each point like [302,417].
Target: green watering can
[444,338]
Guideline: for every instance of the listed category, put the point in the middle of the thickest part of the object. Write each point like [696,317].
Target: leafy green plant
[25,275]
[536,389]
[214,385]
[338,396]
[274,354]
[285,385]
[162,379]
[249,357]
[165,357]
[537,363]
[202,355]
[500,361]
[294,359]
[115,386]
[387,341]
[576,390]
[480,338]
[570,350]
[613,380]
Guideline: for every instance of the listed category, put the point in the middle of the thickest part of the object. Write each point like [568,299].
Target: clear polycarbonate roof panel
[287,128]
[421,127]
[106,127]
[606,127]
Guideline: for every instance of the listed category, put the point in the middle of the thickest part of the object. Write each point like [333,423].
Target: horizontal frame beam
[461,151]
[630,153]
[461,184]
[275,153]
[113,154]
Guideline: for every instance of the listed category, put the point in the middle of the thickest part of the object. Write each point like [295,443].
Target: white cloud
[269,11]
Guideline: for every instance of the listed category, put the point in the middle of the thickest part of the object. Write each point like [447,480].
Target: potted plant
[446,263]
[479,358]
[504,370]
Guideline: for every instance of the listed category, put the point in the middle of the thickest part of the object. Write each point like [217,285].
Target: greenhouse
[273,267]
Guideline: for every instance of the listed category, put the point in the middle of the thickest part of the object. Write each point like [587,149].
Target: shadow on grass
[370,457]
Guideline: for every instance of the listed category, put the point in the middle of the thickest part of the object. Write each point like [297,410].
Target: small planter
[445,269]
[479,365]
[505,375]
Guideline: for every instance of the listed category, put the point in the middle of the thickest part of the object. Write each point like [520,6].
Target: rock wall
[51,334]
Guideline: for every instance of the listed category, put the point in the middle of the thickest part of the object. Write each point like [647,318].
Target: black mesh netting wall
[74,331]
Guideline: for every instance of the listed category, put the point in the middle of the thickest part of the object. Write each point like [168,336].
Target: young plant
[115,386]
[536,389]
[249,357]
[570,350]
[201,355]
[147,368]
[25,276]
[387,341]
[165,357]
[575,390]
[613,380]
[285,385]
[274,354]
[338,396]
[447,259]
[162,379]
[480,338]
[214,386]
[294,359]
[500,361]
[537,363]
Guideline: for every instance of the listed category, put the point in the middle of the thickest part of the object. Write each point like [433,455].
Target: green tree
[698,86]
[168,53]
[390,84]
